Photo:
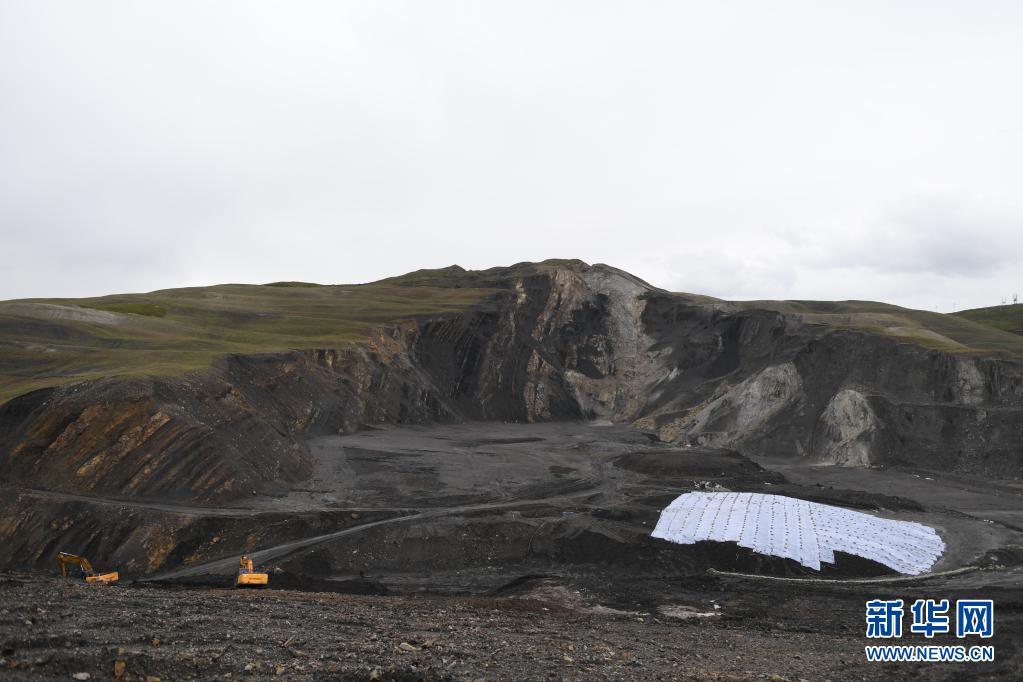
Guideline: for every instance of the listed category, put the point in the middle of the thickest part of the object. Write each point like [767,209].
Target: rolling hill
[50,342]
[1006,318]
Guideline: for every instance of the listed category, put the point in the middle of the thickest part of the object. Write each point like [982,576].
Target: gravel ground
[56,629]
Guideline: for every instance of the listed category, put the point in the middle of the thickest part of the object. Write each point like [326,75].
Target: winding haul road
[419,474]
[229,565]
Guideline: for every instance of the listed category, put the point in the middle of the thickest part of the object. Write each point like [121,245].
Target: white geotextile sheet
[807,532]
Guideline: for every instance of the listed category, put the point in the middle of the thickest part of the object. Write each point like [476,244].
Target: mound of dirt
[675,463]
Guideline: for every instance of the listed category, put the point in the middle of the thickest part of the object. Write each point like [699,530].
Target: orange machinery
[64,559]
[247,576]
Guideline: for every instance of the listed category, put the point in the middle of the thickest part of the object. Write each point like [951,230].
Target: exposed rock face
[847,430]
[211,436]
[569,344]
[739,413]
[562,343]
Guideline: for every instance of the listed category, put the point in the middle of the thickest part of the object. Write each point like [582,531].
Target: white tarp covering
[807,532]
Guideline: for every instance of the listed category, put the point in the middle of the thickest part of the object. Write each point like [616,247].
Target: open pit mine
[550,470]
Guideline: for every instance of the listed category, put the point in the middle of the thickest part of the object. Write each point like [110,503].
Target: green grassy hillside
[1007,318]
[952,333]
[45,342]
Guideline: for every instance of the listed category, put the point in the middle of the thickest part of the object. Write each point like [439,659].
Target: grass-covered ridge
[951,333]
[46,342]
[136,308]
[1007,318]
[455,276]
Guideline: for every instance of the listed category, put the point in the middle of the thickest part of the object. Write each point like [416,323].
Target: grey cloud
[936,235]
[730,148]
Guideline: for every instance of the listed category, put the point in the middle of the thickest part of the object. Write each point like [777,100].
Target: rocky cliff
[569,341]
[596,343]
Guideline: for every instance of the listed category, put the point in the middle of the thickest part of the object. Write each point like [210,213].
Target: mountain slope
[47,342]
[272,366]
[929,329]
[1006,318]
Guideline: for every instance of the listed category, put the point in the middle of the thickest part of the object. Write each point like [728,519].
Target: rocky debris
[740,413]
[683,612]
[205,634]
[846,431]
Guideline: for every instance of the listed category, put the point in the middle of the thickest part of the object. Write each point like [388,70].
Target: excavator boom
[65,559]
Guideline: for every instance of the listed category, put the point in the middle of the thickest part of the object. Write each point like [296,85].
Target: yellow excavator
[247,576]
[65,559]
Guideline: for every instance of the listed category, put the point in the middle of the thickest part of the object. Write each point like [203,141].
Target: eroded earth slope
[516,438]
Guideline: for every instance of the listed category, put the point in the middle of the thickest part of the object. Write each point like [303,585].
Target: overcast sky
[816,150]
